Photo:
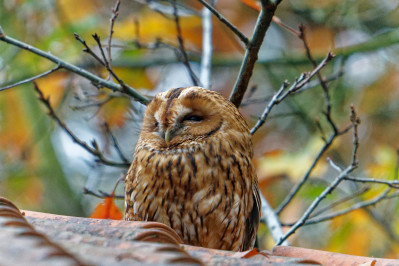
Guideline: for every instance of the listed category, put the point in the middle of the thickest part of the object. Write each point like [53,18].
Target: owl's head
[184,117]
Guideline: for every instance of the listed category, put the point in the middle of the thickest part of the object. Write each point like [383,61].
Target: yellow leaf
[53,86]
[14,129]
[292,164]
[320,40]
[72,13]
[114,112]
[153,25]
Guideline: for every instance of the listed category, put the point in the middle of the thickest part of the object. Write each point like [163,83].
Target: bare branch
[185,60]
[355,120]
[30,79]
[378,42]
[298,186]
[363,204]
[323,82]
[107,63]
[94,149]
[283,92]
[341,201]
[272,221]
[104,61]
[251,53]
[88,49]
[115,13]
[390,183]
[327,114]
[278,21]
[116,144]
[273,102]
[81,72]
[222,19]
[343,174]
[316,202]
[333,205]
[93,104]
[101,194]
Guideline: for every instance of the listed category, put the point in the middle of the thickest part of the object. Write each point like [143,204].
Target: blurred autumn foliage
[41,168]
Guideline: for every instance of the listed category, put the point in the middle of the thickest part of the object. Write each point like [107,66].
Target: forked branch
[94,149]
[329,189]
[96,80]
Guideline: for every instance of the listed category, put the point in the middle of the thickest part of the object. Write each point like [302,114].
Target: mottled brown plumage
[192,170]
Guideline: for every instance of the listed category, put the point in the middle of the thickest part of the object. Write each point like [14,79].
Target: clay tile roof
[33,238]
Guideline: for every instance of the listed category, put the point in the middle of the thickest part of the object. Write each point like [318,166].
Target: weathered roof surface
[33,238]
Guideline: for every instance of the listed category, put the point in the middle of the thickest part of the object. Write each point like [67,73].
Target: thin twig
[104,61]
[183,52]
[341,201]
[30,79]
[107,63]
[378,42]
[363,204]
[251,53]
[355,120]
[97,38]
[278,21]
[327,114]
[81,72]
[283,92]
[312,83]
[87,49]
[94,149]
[390,183]
[316,202]
[315,83]
[273,102]
[333,205]
[323,82]
[101,194]
[116,144]
[222,19]
[93,104]
[115,13]
[342,175]
[298,186]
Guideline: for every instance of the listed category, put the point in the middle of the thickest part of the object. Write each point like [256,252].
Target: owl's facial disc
[183,117]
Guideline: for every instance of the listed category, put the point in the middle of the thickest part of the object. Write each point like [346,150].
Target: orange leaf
[107,210]
[252,4]
[114,112]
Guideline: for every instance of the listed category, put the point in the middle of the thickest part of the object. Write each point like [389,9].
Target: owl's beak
[168,135]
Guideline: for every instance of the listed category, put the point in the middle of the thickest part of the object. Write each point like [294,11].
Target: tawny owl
[192,170]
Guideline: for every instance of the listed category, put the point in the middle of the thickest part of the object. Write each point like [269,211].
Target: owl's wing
[252,221]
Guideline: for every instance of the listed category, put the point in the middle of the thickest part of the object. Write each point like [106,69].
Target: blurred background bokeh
[42,169]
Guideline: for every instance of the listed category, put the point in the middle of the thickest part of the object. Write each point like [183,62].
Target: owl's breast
[199,194]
